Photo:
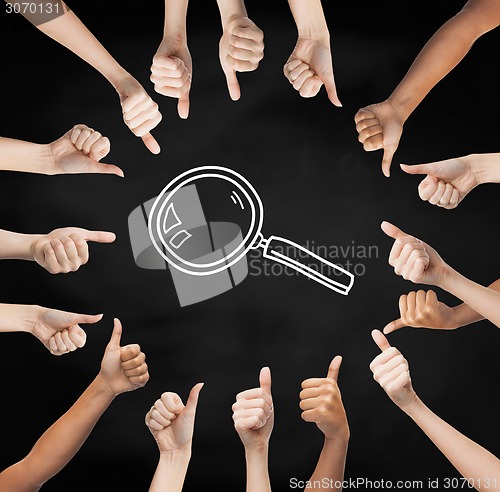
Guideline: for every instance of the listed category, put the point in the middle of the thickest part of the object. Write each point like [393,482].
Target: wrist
[18,317]
[414,408]
[182,455]
[338,438]
[230,11]
[484,167]
[117,77]
[400,106]
[257,450]
[449,278]
[102,384]
[314,31]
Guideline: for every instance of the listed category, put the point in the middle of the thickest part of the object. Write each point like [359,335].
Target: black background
[317,184]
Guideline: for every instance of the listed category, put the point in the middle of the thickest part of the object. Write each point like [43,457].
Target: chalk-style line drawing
[177,222]
[253,239]
[173,240]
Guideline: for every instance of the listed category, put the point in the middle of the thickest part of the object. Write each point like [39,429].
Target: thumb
[98,236]
[394,325]
[192,401]
[116,336]
[387,160]
[183,106]
[233,85]
[85,319]
[94,167]
[380,339]
[334,369]
[331,89]
[150,142]
[391,230]
[417,168]
[265,379]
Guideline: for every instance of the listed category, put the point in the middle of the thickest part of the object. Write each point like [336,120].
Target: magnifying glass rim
[180,181]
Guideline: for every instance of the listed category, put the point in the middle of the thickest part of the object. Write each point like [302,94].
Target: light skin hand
[140,112]
[413,259]
[390,369]
[123,368]
[253,414]
[241,49]
[447,182]
[79,151]
[171,422]
[65,250]
[172,70]
[380,126]
[321,403]
[310,66]
[60,331]
[423,310]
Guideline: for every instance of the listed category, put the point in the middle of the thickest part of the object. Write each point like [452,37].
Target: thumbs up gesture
[253,413]
[413,259]
[321,403]
[171,422]
[390,370]
[447,182]
[66,250]
[123,368]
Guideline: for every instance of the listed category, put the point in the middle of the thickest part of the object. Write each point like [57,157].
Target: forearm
[331,464]
[309,18]
[175,19]
[170,472]
[486,167]
[70,32]
[231,8]
[59,443]
[484,301]
[17,317]
[14,246]
[440,55]
[257,470]
[472,461]
[16,155]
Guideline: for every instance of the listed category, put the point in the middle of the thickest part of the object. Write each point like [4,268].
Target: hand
[172,423]
[423,310]
[380,127]
[310,66]
[79,151]
[241,48]
[123,368]
[390,370]
[253,413]
[172,71]
[321,402]
[65,250]
[447,182]
[59,331]
[413,259]
[140,112]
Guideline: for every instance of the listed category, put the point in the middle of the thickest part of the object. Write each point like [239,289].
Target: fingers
[303,78]
[116,335]
[77,335]
[133,363]
[172,402]
[164,411]
[265,379]
[171,77]
[381,341]
[334,369]
[438,192]
[90,142]
[255,393]
[233,85]
[321,403]
[252,409]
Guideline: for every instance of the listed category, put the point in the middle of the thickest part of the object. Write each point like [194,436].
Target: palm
[316,54]
[178,435]
[49,323]
[457,173]
[254,438]
[112,372]
[391,123]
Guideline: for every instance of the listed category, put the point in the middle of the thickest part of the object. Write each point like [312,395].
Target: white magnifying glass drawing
[227,192]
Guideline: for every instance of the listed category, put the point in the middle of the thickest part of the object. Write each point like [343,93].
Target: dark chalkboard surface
[318,187]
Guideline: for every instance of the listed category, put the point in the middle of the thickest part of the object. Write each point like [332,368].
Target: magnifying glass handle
[308,263]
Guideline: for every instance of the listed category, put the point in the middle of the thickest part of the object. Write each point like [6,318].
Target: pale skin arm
[321,403]
[423,310]
[59,331]
[78,151]
[390,369]
[61,251]
[418,262]
[310,65]
[253,416]
[122,369]
[140,113]
[172,425]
